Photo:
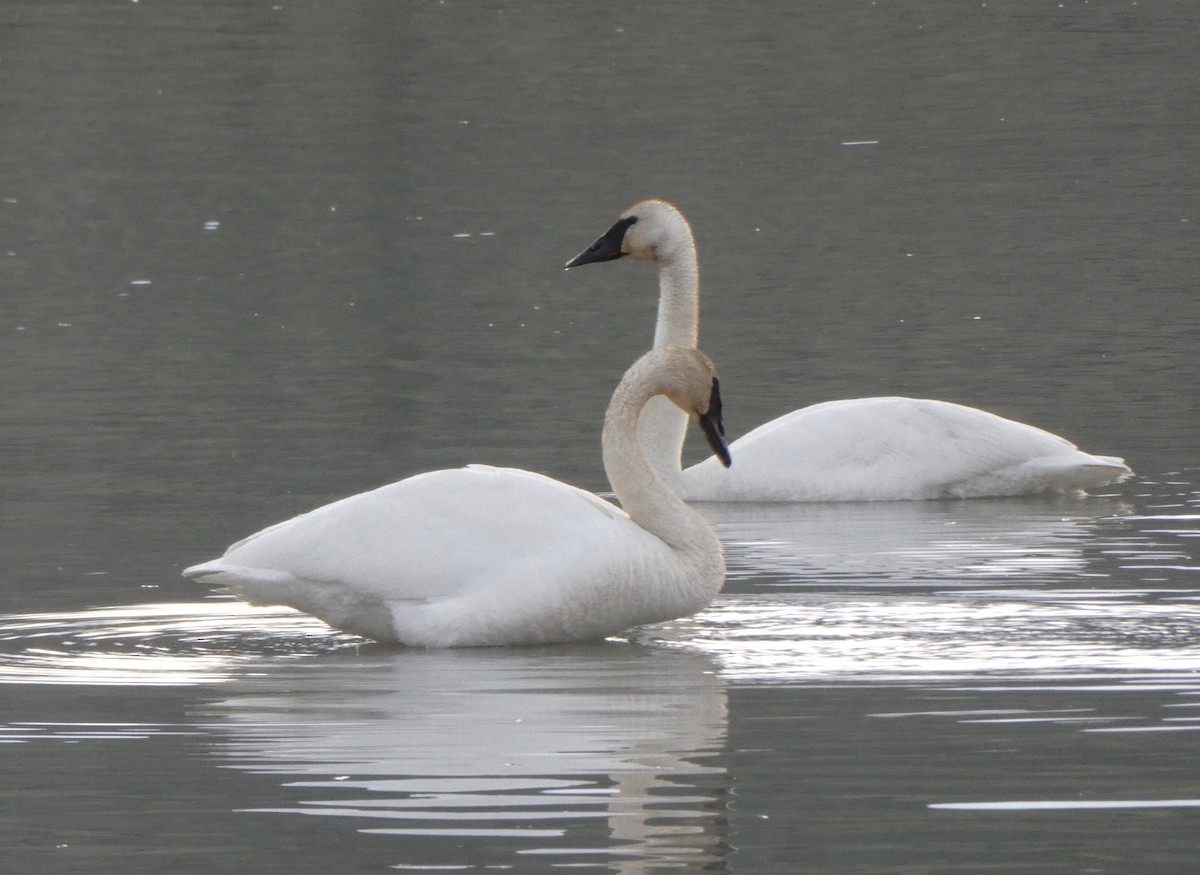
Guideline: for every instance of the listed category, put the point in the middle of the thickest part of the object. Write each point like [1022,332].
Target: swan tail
[1097,471]
[1047,476]
[1115,467]
[337,605]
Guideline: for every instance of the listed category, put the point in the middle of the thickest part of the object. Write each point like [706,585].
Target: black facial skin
[607,247]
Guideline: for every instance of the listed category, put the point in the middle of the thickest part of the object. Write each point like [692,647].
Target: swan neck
[679,299]
[664,430]
[663,425]
[642,491]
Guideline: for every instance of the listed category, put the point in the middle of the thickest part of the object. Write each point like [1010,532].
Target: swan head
[690,381]
[650,230]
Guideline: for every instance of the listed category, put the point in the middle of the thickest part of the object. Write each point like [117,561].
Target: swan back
[891,448]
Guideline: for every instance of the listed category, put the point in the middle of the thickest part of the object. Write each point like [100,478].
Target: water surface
[256,257]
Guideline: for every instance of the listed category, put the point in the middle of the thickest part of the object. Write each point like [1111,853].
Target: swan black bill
[607,247]
[714,425]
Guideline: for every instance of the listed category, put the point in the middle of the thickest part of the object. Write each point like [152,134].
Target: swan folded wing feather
[424,537]
[586,586]
[488,556]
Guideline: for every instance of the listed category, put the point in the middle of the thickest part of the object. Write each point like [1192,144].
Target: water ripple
[789,636]
[885,637]
[156,644]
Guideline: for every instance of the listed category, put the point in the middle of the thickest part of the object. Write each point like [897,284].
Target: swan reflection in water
[605,754]
[914,544]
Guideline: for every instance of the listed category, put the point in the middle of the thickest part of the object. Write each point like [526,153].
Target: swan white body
[863,449]
[492,556]
[873,449]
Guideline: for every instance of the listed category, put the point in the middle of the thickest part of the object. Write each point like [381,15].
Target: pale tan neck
[663,425]
[643,493]
[678,302]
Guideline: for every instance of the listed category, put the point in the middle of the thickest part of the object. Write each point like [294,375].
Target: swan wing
[897,448]
[423,537]
[472,556]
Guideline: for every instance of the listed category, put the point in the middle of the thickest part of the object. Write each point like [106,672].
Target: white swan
[492,556]
[863,449]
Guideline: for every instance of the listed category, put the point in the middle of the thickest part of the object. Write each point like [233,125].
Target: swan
[862,449]
[493,556]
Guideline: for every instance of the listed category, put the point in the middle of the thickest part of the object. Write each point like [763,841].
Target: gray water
[256,256]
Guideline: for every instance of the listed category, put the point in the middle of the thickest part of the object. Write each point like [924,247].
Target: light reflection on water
[1085,616]
[169,644]
[753,638]
[798,638]
[852,591]
[615,755]
[25,731]
[1067,805]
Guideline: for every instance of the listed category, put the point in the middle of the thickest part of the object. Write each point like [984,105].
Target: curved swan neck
[664,431]
[643,493]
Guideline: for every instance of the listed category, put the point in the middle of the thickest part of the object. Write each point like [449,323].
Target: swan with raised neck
[860,449]
[657,232]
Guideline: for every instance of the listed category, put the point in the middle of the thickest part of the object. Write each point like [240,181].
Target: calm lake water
[258,256]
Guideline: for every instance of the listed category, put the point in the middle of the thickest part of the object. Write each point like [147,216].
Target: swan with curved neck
[862,449]
[493,556]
